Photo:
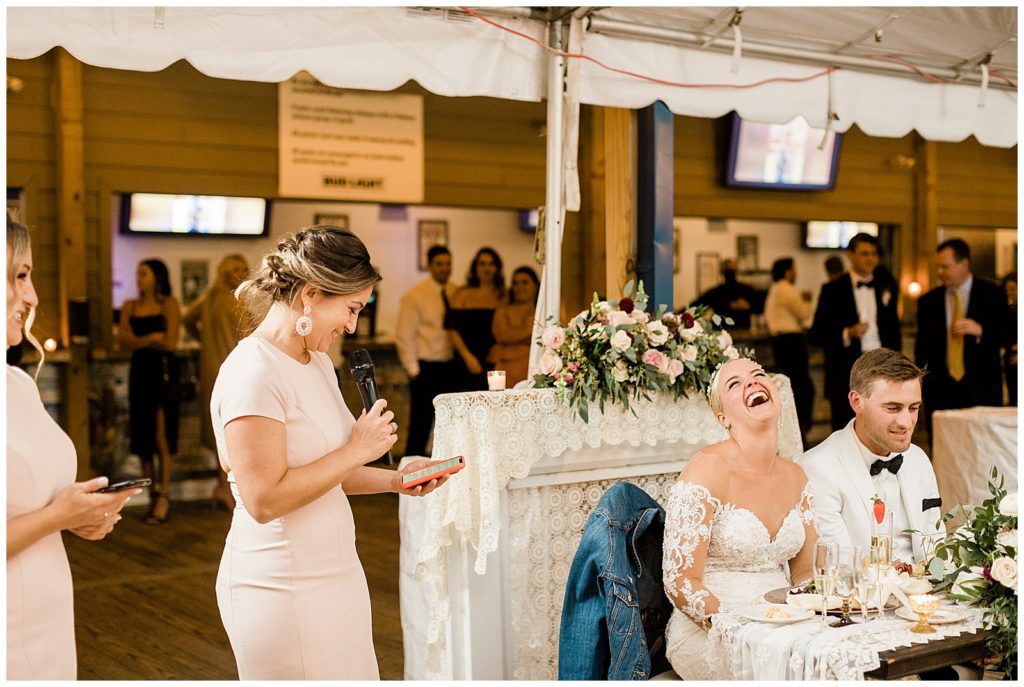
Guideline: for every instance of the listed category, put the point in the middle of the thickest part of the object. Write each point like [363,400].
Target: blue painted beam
[655,246]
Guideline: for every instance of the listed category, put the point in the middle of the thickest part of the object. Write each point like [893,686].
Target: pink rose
[675,368]
[724,340]
[688,352]
[639,316]
[553,336]
[653,358]
[573,367]
[618,317]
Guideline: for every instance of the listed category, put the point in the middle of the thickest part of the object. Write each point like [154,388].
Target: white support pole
[549,300]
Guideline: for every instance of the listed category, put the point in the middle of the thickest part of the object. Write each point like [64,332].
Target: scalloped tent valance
[450,53]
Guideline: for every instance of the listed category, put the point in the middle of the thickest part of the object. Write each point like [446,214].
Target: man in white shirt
[786,312]
[872,457]
[424,348]
[856,313]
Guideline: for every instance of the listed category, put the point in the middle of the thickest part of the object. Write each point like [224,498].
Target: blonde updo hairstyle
[330,258]
[18,246]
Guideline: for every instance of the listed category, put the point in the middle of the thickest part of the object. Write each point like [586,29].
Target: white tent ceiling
[453,54]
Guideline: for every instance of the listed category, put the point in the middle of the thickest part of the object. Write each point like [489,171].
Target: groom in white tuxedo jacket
[872,457]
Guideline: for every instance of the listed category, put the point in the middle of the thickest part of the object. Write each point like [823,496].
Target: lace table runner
[506,433]
[742,649]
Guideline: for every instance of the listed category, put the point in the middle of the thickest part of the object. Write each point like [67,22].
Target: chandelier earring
[304,325]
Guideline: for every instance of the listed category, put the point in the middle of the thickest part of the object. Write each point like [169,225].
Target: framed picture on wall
[431,232]
[707,271]
[195,275]
[332,219]
[746,254]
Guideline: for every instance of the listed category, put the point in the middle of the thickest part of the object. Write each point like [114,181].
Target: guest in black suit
[1009,285]
[732,298]
[961,327]
[856,313]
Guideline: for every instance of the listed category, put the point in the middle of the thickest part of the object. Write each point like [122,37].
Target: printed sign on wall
[345,146]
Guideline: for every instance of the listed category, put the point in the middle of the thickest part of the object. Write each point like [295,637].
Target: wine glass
[824,568]
[865,581]
[845,586]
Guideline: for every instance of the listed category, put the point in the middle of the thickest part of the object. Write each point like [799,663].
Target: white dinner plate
[940,617]
[790,613]
[813,602]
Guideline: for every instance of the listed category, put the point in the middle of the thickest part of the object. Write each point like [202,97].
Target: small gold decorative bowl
[924,605]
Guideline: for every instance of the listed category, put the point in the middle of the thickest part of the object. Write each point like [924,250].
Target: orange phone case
[448,467]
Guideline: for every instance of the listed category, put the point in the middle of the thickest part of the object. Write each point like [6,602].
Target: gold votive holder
[924,605]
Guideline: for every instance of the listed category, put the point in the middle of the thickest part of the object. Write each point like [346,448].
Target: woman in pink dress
[291,590]
[42,499]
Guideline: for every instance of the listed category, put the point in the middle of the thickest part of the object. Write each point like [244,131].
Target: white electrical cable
[737,48]
[830,116]
[984,85]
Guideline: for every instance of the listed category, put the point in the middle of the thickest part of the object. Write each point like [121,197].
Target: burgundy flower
[687,320]
[626,305]
[987,573]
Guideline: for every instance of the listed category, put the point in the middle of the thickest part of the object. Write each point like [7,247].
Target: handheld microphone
[361,365]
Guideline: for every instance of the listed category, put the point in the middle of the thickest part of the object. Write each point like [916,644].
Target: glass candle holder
[496,380]
[924,605]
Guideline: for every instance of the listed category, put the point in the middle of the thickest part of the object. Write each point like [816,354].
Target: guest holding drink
[513,327]
[868,475]
[471,317]
[291,590]
[738,515]
[42,500]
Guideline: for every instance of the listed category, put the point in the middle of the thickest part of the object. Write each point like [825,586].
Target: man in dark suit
[961,326]
[856,313]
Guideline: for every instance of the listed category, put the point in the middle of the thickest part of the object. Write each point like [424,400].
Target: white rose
[1008,506]
[724,340]
[1004,571]
[657,333]
[550,363]
[621,340]
[604,307]
[553,336]
[691,333]
[617,318]
[639,316]
[731,353]
[688,352]
[1007,539]
[972,576]
[620,372]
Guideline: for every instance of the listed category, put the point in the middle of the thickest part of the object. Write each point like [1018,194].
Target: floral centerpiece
[617,351]
[977,565]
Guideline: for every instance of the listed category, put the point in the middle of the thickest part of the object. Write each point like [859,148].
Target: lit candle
[50,345]
[496,380]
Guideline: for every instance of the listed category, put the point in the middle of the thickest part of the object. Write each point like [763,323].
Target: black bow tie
[868,284]
[893,465]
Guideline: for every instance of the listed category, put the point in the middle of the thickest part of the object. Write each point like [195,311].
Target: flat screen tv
[183,214]
[834,235]
[781,156]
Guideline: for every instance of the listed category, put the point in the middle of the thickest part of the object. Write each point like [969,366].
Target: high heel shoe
[159,512]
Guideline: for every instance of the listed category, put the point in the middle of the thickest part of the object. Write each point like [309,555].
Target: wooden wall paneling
[620,199]
[591,215]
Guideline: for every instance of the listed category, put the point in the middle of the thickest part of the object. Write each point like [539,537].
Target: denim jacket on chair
[615,607]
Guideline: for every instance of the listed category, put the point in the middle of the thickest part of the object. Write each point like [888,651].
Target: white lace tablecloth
[503,434]
[749,650]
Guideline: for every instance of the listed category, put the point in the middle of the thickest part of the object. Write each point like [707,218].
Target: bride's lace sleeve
[687,534]
[801,563]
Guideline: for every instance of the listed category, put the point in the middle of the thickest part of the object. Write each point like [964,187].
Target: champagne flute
[823,567]
[845,586]
[881,541]
[865,581]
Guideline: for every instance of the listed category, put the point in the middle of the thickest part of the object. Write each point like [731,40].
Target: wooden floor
[145,607]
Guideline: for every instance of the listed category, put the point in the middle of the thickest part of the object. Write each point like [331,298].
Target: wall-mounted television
[191,215]
[781,156]
[834,235]
[528,220]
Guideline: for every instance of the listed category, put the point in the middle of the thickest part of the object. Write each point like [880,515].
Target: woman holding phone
[42,499]
[291,590]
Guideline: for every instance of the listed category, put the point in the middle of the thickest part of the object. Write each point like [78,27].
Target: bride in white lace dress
[737,516]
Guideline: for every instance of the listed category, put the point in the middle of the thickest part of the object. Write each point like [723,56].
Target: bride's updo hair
[714,395]
[330,258]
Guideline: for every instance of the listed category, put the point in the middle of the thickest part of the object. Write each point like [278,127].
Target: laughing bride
[737,516]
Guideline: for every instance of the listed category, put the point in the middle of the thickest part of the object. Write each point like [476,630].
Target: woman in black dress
[149,329]
[471,316]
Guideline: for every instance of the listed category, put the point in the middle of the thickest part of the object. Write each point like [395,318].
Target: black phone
[127,484]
